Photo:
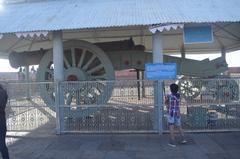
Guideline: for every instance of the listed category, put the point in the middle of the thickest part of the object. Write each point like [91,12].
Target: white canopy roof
[109,20]
[48,15]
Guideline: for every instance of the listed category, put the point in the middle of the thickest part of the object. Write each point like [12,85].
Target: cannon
[84,61]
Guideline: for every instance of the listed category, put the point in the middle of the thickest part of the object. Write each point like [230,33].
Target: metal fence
[107,106]
[209,118]
[26,109]
[121,105]
[208,104]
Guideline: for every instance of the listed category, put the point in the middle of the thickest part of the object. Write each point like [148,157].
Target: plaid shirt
[173,104]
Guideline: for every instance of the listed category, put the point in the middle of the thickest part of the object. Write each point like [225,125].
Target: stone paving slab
[123,146]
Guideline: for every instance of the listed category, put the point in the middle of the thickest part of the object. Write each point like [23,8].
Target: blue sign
[198,34]
[159,71]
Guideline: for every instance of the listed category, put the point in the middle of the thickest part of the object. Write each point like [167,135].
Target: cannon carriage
[97,62]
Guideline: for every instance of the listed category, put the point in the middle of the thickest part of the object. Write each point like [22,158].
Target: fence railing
[121,105]
[107,106]
[210,91]
[209,118]
[208,104]
[26,109]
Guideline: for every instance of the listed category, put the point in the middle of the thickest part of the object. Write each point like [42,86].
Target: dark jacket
[3,102]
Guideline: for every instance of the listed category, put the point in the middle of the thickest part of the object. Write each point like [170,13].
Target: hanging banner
[158,71]
[197,34]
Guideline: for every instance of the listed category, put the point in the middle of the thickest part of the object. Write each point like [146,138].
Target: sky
[232,59]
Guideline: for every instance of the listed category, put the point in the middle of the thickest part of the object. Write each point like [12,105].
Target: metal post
[143,86]
[158,93]
[27,79]
[183,54]
[138,83]
[223,53]
[58,76]
[57,107]
[27,73]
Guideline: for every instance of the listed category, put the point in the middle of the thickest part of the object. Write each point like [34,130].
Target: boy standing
[173,114]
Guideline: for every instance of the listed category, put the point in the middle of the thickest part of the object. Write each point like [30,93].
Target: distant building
[126,74]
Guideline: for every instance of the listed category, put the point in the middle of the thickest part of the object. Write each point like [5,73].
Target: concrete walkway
[42,145]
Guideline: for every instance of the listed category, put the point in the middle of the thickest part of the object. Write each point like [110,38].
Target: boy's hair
[174,88]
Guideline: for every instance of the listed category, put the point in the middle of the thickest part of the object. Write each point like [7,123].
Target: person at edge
[3,127]
[173,101]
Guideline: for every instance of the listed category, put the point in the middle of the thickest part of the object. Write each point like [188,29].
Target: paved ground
[46,145]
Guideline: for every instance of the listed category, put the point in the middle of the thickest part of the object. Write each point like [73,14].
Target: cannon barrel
[120,45]
[25,58]
[18,59]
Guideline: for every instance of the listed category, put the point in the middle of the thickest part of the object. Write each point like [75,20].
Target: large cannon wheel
[190,89]
[83,61]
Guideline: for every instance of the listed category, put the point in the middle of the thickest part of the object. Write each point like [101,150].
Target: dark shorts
[173,120]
